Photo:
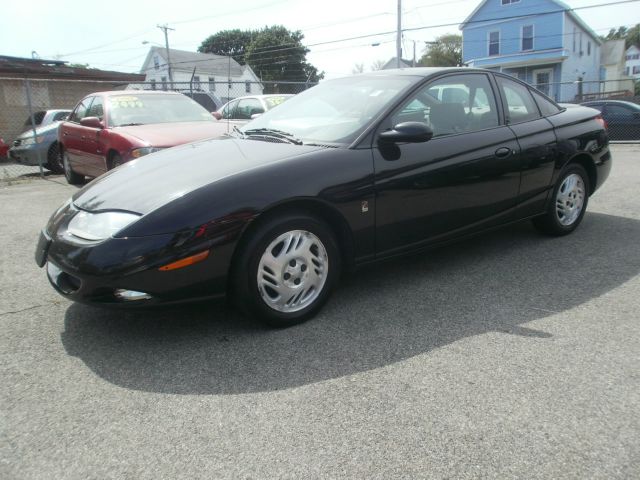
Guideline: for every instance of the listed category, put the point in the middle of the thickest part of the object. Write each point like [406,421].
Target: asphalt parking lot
[511,355]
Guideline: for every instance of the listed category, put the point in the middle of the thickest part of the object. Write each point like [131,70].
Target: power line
[293,46]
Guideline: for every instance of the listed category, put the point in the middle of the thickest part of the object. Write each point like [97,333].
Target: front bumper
[30,154]
[98,272]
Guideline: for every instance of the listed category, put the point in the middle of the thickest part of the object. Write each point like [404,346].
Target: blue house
[541,42]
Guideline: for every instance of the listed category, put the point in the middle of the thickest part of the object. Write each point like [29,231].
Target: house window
[196,82]
[494,43]
[509,2]
[626,71]
[527,37]
[589,48]
[163,80]
[156,63]
[636,69]
[247,87]
[212,84]
[153,84]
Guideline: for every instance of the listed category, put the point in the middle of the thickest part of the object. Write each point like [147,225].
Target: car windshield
[275,100]
[334,112]
[141,109]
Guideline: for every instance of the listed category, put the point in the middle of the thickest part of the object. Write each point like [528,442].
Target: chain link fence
[617,100]
[31,110]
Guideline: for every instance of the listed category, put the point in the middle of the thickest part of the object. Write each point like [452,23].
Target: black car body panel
[381,200]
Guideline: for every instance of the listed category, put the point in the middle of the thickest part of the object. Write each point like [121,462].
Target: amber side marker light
[185,262]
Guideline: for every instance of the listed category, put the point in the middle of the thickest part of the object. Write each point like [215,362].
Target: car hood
[172,134]
[150,182]
[52,127]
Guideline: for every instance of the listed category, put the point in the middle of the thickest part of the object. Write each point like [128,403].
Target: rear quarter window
[546,106]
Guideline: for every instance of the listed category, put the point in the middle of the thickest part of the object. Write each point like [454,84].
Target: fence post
[33,124]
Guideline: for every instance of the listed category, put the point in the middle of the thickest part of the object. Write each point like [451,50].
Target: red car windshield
[141,109]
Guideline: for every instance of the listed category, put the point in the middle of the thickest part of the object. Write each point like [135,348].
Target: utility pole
[414,54]
[164,28]
[399,35]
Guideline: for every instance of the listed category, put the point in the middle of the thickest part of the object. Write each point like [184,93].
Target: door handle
[503,152]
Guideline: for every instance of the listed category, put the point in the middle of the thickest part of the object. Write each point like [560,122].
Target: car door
[73,136]
[466,177]
[537,141]
[93,154]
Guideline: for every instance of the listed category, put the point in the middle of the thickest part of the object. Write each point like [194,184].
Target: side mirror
[91,122]
[217,115]
[408,132]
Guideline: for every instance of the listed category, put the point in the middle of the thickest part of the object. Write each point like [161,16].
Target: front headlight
[99,226]
[141,152]
[28,141]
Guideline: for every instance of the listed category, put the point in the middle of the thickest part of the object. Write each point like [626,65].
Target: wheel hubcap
[570,199]
[292,271]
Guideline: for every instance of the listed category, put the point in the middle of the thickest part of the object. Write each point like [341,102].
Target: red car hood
[172,134]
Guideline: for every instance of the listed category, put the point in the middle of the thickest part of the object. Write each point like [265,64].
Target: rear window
[37,119]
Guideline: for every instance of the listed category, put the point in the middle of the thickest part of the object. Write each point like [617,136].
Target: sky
[110,35]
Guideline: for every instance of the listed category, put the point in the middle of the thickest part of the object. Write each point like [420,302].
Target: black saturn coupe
[351,171]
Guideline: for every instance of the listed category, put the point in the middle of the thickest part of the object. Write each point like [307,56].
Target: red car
[107,129]
[4,148]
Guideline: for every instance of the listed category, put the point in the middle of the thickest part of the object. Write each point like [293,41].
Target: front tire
[568,204]
[72,177]
[116,161]
[287,269]
[54,159]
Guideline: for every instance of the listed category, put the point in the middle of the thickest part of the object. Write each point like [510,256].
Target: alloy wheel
[570,199]
[292,271]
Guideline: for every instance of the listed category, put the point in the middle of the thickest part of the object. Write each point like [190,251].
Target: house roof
[202,62]
[562,7]
[612,52]
[393,63]
[57,69]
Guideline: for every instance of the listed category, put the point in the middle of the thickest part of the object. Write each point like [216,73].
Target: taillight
[601,121]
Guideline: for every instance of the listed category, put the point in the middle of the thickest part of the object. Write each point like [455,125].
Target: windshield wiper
[270,132]
[130,124]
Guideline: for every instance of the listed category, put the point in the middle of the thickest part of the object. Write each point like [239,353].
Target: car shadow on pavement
[380,315]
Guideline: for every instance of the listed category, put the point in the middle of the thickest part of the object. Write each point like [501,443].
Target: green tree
[274,53]
[445,51]
[228,42]
[631,36]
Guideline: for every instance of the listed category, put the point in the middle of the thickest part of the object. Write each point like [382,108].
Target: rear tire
[568,202]
[286,270]
[72,177]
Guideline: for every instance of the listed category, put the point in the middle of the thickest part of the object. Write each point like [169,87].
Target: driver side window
[229,111]
[454,104]
[81,110]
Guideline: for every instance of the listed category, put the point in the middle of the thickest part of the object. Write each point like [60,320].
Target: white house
[221,77]
[612,67]
[632,64]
